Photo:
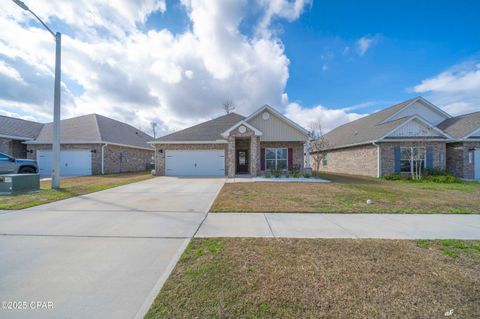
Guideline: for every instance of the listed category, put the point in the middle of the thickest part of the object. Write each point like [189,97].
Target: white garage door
[195,163]
[72,162]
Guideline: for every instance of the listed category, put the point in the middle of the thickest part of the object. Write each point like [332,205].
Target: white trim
[242,122]
[378,159]
[188,142]
[418,99]
[416,117]
[411,160]
[88,142]
[13,137]
[276,159]
[472,133]
[278,114]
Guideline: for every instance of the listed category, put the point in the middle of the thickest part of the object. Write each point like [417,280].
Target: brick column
[231,156]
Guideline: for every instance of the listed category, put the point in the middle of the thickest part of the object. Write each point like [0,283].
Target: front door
[242,162]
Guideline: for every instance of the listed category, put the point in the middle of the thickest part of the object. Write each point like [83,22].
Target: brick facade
[458,159]
[387,151]
[246,139]
[298,157]
[359,160]
[119,159]
[362,160]
[132,159]
[13,148]
[160,157]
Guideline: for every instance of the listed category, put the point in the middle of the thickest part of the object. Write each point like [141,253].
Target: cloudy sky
[175,62]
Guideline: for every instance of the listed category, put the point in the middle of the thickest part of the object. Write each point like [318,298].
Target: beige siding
[274,129]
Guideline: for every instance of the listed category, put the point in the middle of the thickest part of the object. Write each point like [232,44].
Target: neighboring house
[386,141]
[92,144]
[463,155]
[13,132]
[233,144]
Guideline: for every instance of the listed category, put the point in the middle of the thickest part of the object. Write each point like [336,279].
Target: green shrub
[276,174]
[392,177]
[267,175]
[296,175]
[447,179]
[306,175]
[435,172]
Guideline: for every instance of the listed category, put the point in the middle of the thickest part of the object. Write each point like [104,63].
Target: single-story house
[395,138]
[233,144]
[92,144]
[13,132]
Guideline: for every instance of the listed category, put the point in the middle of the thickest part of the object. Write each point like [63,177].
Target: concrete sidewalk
[388,226]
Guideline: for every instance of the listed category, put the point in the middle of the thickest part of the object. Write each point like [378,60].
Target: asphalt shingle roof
[367,128]
[206,131]
[95,128]
[10,126]
[461,126]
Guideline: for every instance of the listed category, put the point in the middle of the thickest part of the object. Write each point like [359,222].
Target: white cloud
[286,9]
[457,89]
[10,72]
[329,118]
[119,70]
[365,43]
[112,66]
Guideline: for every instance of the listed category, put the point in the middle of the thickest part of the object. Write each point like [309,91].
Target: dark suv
[10,165]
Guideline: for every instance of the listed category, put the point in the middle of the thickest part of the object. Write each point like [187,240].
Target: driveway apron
[102,255]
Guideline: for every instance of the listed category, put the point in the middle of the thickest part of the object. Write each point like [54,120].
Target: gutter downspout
[103,158]
[378,159]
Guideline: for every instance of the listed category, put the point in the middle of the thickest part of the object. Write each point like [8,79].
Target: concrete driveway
[103,255]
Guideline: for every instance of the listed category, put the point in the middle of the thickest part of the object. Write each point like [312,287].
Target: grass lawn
[348,194]
[70,187]
[322,278]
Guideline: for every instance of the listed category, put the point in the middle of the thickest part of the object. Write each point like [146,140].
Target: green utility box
[19,183]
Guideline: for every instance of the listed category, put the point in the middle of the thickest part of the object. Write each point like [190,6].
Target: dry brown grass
[321,278]
[348,194]
[70,187]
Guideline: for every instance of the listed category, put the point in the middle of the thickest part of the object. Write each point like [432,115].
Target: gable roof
[279,115]
[369,128]
[19,129]
[207,131]
[426,103]
[242,122]
[461,126]
[94,128]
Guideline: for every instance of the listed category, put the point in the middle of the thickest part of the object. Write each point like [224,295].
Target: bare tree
[154,126]
[228,106]
[419,153]
[318,144]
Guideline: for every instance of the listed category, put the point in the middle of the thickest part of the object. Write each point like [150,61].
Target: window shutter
[429,156]
[397,159]
[290,158]
[262,159]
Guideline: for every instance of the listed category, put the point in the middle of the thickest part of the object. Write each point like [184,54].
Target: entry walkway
[388,226]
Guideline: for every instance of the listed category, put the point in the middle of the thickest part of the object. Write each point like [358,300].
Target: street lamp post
[56,98]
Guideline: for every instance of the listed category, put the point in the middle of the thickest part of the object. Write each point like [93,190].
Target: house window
[411,156]
[325,159]
[276,158]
